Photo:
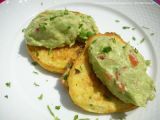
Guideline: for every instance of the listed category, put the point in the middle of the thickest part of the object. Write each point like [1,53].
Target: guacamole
[58,28]
[122,69]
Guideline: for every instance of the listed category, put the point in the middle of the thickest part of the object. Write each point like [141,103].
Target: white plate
[16,67]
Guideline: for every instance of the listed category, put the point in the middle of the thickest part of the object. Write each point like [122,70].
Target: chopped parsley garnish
[57,107]
[66,12]
[117,21]
[52,114]
[135,50]
[65,76]
[89,33]
[126,27]
[145,27]
[35,72]
[42,26]
[142,40]
[23,30]
[133,38]
[80,25]
[34,63]
[6,96]
[8,84]
[40,97]
[94,41]
[124,47]
[89,17]
[35,84]
[82,35]
[148,62]
[77,71]
[75,117]
[107,49]
[151,34]
[69,27]
[133,28]
[50,111]
[85,34]
[52,18]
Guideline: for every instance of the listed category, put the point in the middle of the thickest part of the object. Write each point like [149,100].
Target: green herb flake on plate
[133,38]
[125,27]
[40,97]
[23,30]
[8,84]
[57,107]
[75,117]
[142,40]
[34,63]
[117,21]
[51,113]
[35,84]
[35,72]
[6,96]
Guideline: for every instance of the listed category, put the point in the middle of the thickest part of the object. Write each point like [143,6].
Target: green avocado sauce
[122,69]
[58,28]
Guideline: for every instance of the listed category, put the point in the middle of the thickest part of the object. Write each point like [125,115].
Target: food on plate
[103,73]
[87,91]
[121,68]
[55,60]
[52,37]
